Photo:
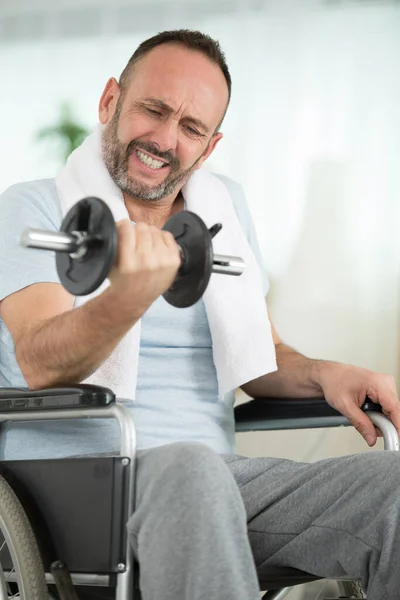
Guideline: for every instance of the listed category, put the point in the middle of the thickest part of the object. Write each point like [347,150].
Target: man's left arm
[345,387]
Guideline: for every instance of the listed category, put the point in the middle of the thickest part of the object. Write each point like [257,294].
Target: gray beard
[116,158]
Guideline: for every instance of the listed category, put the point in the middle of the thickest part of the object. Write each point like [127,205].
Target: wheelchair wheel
[18,547]
[351,589]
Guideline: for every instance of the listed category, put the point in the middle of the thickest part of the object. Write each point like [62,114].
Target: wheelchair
[62,521]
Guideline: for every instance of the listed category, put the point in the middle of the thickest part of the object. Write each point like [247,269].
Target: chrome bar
[389,431]
[277,594]
[291,423]
[125,579]
[50,240]
[77,579]
[228,265]
[3,585]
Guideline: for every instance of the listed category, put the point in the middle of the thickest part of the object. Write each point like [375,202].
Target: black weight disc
[82,276]
[192,235]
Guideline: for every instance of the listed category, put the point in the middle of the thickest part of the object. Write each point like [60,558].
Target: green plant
[67,132]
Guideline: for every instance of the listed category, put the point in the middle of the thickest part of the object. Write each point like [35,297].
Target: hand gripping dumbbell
[86,248]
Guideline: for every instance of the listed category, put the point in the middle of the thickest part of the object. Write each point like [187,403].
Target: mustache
[152,148]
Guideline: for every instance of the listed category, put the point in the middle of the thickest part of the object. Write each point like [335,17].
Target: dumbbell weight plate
[82,276]
[192,235]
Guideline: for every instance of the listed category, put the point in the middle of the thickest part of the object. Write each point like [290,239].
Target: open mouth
[149,161]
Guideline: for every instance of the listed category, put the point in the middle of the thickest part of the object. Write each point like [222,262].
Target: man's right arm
[56,344]
[69,346]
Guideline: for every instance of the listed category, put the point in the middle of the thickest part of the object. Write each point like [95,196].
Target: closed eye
[192,131]
[154,113]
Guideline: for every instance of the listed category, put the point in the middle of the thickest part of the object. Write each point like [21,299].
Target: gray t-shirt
[177,392]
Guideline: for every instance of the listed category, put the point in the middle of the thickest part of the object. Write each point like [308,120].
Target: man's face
[163,127]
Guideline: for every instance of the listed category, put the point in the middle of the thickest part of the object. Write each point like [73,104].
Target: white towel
[243,348]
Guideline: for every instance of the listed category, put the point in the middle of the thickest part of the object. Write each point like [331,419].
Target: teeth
[150,162]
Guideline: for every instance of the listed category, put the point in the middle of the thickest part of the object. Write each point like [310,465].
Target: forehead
[183,78]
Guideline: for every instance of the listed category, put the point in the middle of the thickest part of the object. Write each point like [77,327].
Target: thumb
[361,422]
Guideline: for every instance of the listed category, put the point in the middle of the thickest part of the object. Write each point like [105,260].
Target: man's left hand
[346,387]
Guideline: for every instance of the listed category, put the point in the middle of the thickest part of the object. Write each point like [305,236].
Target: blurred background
[313,135]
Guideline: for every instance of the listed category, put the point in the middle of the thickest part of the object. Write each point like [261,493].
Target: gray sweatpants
[204,523]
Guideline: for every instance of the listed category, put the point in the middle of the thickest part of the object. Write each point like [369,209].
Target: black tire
[21,545]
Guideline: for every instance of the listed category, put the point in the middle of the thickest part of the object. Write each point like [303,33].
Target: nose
[166,135]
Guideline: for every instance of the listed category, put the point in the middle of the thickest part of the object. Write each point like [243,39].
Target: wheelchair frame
[260,414]
[125,578]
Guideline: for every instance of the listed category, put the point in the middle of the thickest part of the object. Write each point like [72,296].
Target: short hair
[193,40]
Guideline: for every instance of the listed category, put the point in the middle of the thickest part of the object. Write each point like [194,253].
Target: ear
[108,101]
[211,147]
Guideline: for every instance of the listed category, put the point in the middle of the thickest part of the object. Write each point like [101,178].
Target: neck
[153,213]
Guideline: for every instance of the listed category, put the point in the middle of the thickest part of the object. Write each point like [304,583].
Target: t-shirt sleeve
[239,200]
[23,206]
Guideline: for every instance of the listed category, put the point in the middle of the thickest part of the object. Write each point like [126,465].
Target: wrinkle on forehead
[185,80]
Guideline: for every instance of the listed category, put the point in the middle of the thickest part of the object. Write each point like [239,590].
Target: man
[205,517]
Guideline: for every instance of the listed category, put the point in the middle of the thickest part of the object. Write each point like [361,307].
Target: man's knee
[384,466]
[184,483]
[373,477]
[185,468]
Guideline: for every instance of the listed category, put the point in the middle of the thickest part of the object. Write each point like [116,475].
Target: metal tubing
[84,579]
[124,417]
[3,585]
[228,265]
[277,594]
[389,431]
[72,243]
[50,240]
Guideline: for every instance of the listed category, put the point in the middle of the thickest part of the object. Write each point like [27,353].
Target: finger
[172,247]
[361,422]
[144,235]
[394,416]
[390,405]
[392,385]
[126,242]
[157,239]
[169,239]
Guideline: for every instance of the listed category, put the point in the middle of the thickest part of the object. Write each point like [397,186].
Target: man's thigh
[318,517]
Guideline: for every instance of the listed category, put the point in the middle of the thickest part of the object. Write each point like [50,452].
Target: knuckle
[174,256]
[168,236]
[386,379]
[391,381]
[142,227]
[359,427]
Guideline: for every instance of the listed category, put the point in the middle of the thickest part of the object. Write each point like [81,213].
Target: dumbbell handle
[76,244]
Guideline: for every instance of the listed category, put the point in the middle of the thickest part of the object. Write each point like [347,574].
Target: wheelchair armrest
[291,413]
[57,398]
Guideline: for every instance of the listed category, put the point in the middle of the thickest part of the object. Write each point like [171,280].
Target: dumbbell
[86,248]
